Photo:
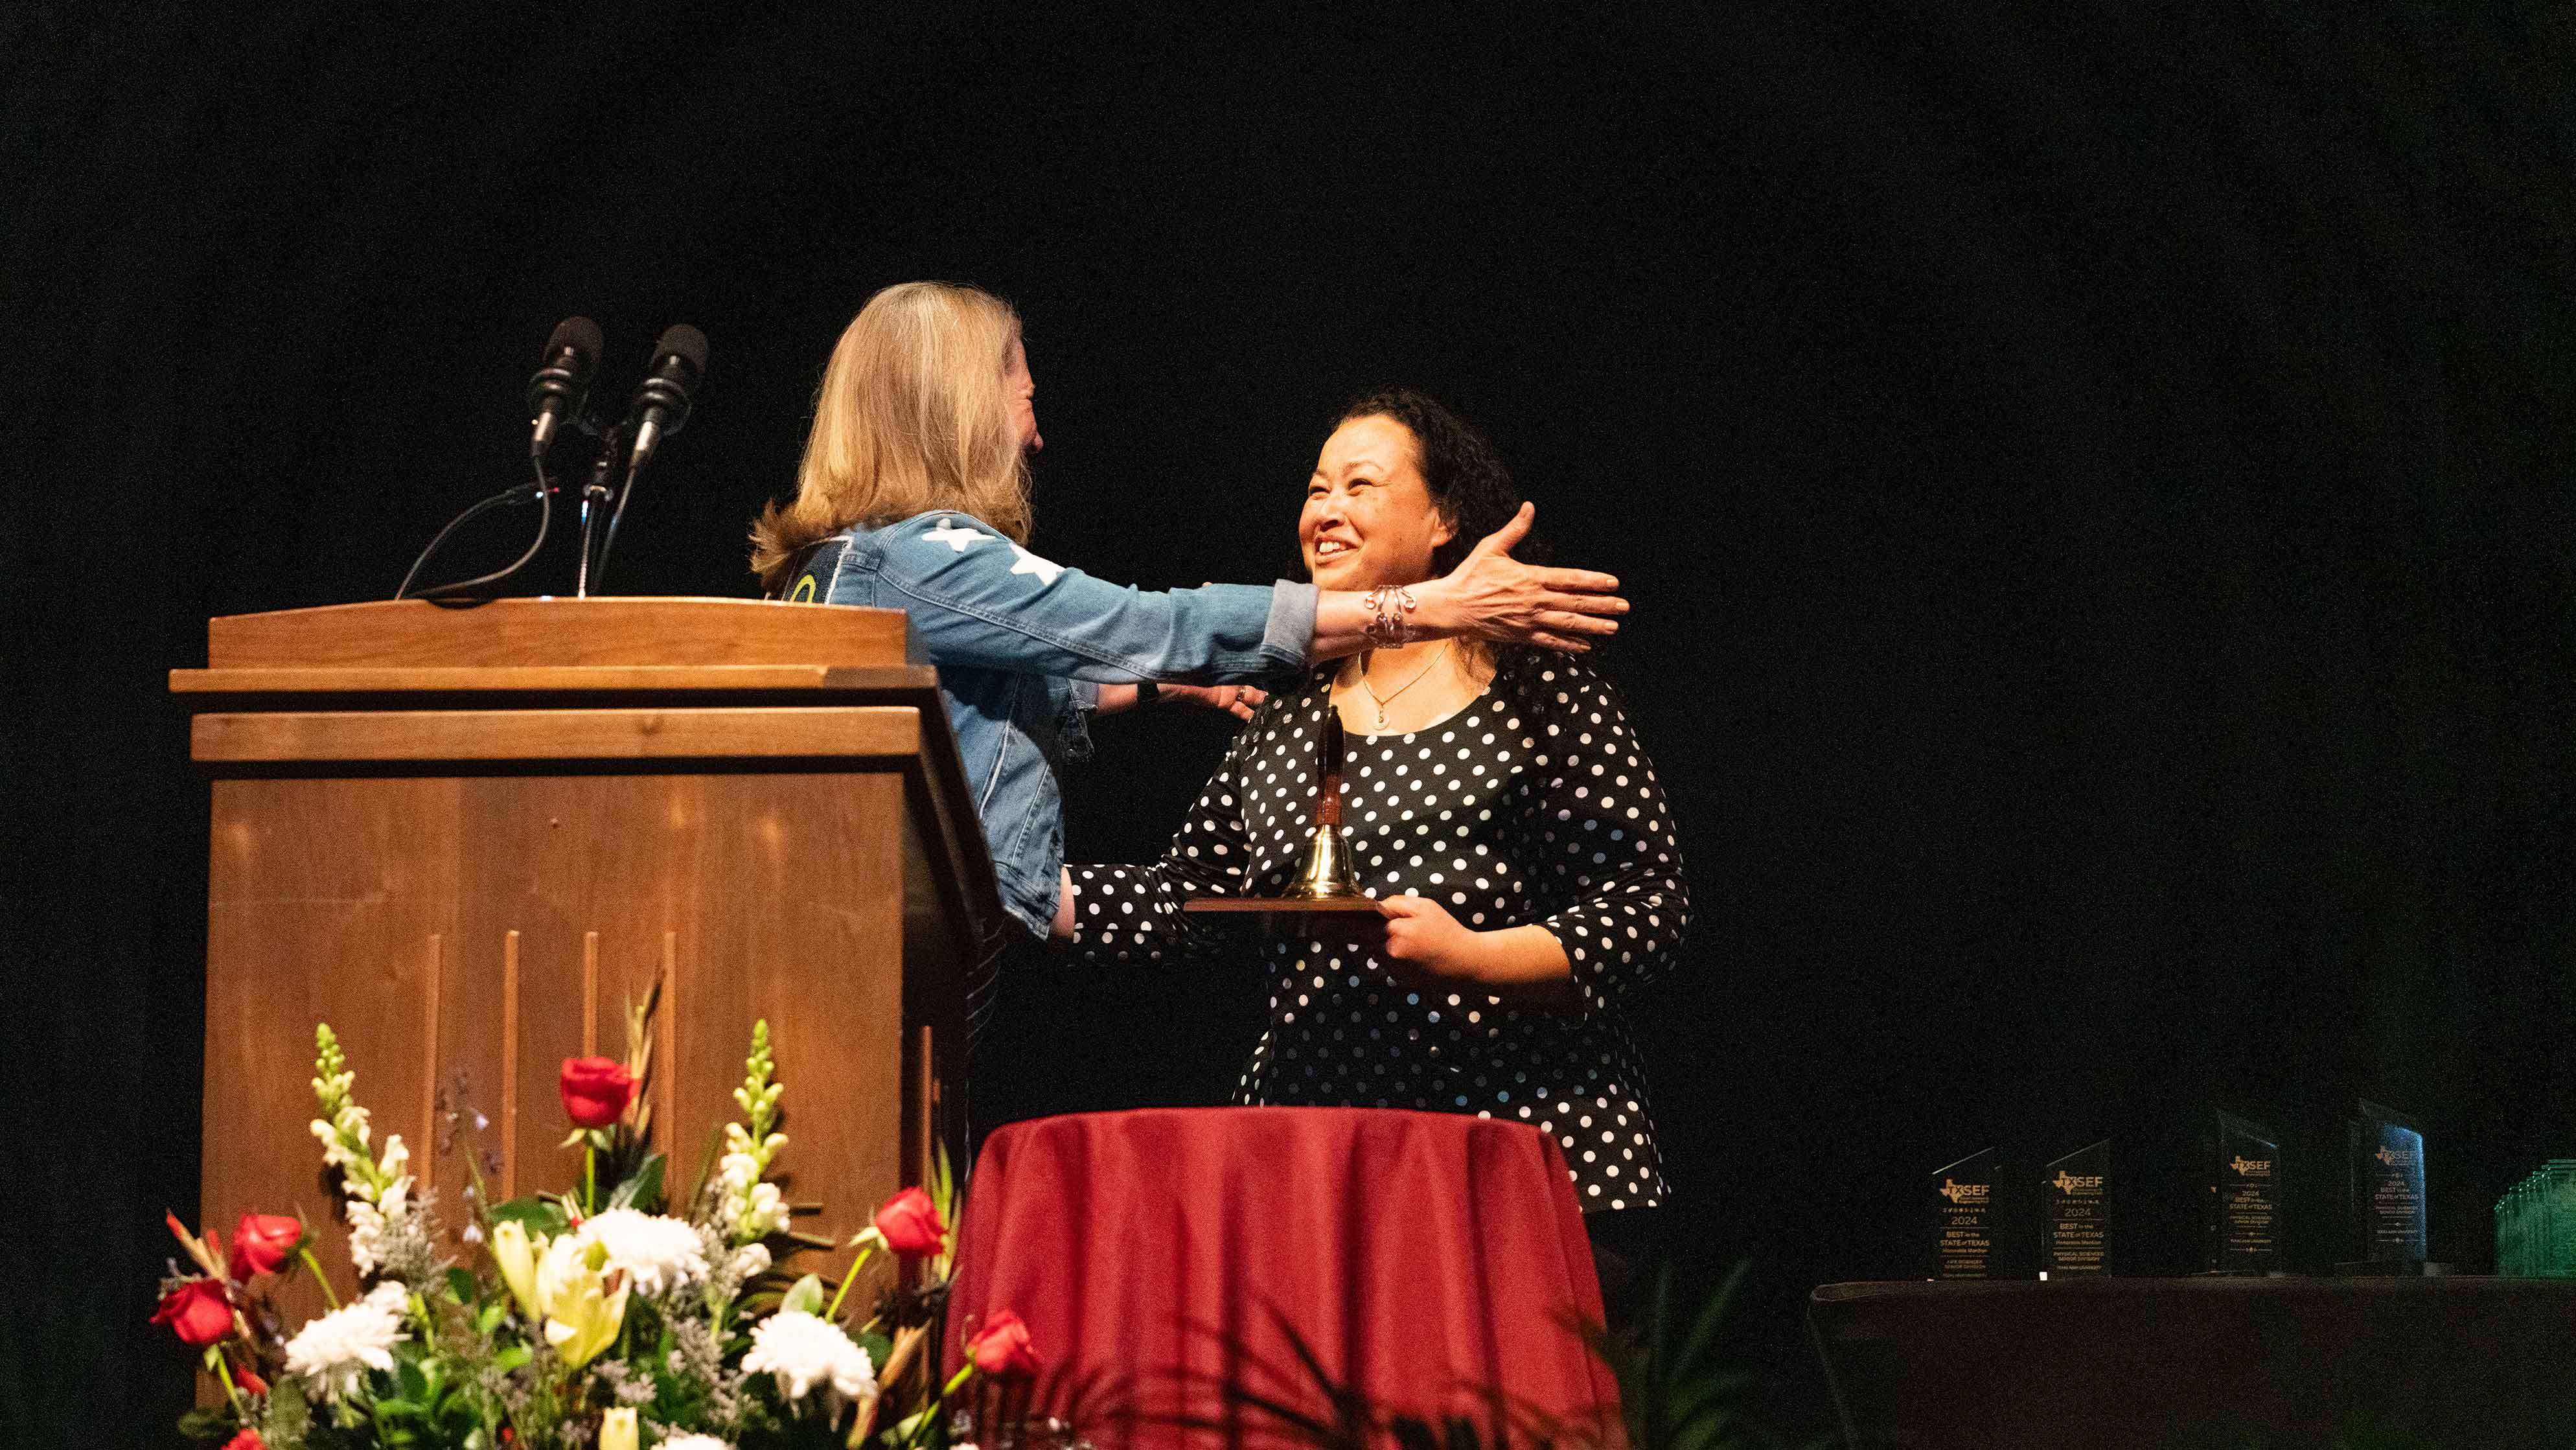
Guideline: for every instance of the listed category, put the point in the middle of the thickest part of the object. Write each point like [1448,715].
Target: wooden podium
[467,838]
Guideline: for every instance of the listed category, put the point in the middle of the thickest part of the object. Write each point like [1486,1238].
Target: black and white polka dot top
[1534,803]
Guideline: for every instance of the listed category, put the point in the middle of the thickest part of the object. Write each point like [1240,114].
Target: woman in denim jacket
[914,495]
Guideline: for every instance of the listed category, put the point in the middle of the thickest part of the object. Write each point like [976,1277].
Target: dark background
[2093,481]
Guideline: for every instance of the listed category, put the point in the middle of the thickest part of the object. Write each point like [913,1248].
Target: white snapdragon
[805,1351]
[373,1225]
[658,1254]
[752,1209]
[334,1353]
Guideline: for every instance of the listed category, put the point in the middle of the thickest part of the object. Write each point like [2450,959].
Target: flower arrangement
[601,1320]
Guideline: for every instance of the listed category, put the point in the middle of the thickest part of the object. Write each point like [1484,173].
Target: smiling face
[1369,518]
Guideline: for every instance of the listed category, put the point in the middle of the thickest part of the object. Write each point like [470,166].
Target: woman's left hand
[1236,700]
[1422,934]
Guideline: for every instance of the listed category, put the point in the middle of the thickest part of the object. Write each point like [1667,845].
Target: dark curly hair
[1472,489]
[1466,479]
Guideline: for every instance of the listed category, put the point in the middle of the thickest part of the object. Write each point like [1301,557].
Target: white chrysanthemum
[658,1254]
[696,1442]
[803,1351]
[333,1353]
[373,1225]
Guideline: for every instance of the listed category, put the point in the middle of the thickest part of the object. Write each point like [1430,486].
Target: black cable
[608,541]
[545,518]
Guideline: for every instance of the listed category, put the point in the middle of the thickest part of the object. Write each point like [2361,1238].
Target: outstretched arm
[1133,913]
[1489,596]
[978,598]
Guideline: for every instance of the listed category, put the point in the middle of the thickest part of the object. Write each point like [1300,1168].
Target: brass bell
[1326,874]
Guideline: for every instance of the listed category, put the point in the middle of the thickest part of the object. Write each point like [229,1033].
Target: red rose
[1002,1349]
[596,1090]
[246,1440]
[197,1312]
[250,1380]
[910,1223]
[264,1244]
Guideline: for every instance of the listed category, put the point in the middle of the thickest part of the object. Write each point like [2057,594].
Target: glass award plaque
[1966,1225]
[2387,1152]
[2074,1220]
[2244,1184]
[2535,1224]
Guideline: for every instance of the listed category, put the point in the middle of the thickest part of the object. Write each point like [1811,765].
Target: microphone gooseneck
[658,410]
[562,379]
[662,400]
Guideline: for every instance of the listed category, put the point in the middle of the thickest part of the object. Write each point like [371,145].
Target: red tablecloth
[1427,1259]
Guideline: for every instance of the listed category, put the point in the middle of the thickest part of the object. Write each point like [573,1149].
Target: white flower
[695,1442]
[804,1351]
[396,1160]
[372,1225]
[333,1353]
[752,1209]
[658,1254]
[336,1152]
[750,1261]
[762,1214]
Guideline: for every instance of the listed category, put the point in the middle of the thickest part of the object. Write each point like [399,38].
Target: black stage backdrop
[2094,488]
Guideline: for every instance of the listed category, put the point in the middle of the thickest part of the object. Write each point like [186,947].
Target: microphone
[564,376]
[661,403]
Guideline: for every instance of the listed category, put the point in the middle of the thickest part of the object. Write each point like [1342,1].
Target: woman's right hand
[1491,595]
[1236,700]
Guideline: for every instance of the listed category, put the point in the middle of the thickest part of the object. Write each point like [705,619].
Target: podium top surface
[623,631]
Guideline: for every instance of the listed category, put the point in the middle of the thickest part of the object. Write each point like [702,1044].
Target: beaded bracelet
[1390,608]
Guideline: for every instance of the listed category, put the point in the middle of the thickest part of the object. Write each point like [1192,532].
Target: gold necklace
[1379,701]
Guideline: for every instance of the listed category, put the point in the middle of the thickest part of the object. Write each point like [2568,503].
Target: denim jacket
[1023,646]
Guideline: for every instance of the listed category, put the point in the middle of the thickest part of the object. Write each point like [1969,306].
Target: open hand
[1491,595]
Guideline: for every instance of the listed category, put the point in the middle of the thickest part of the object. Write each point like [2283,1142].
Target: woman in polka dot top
[1499,808]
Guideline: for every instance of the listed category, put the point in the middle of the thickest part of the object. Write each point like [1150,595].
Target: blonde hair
[911,418]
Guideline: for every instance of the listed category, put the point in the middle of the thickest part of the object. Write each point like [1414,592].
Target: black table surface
[2221,1362]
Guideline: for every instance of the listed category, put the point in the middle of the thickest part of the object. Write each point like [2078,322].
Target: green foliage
[1676,1389]
[943,1198]
[290,1417]
[541,1217]
[640,1189]
[429,1402]
[807,1295]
